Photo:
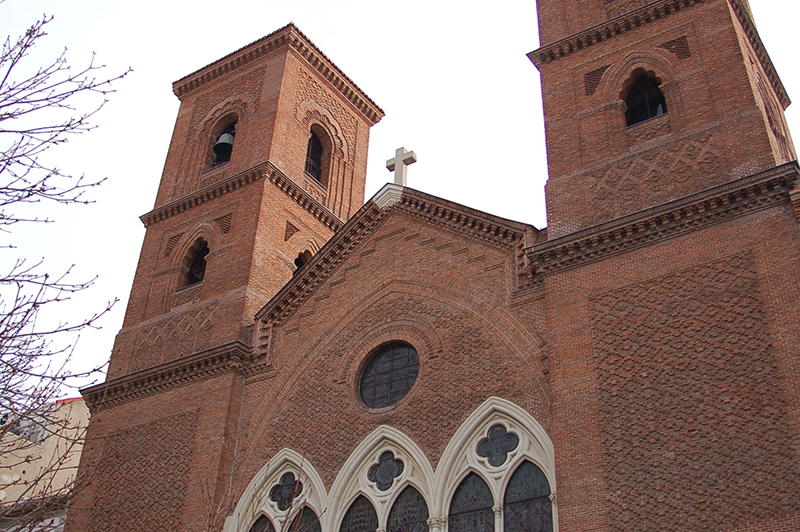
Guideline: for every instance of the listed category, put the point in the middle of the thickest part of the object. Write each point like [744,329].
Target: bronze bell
[224,147]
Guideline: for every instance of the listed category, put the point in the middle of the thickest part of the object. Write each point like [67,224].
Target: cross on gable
[399,163]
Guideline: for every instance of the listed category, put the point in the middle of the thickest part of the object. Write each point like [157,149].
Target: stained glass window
[497,445]
[527,505]
[262,524]
[409,513]
[360,517]
[389,375]
[285,491]
[385,471]
[471,507]
[306,521]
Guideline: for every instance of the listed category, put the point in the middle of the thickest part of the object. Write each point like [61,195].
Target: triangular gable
[391,199]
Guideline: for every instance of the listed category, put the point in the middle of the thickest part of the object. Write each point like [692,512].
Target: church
[297,358]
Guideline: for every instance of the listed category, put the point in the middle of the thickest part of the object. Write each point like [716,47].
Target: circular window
[389,375]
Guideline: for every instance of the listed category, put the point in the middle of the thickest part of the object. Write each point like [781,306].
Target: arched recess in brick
[615,84]
[461,458]
[256,500]
[517,342]
[353,478]
[337,152]
[181,257]
[234,108]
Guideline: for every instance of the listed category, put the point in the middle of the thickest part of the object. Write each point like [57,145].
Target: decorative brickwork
[171,244]
[309,90]
[679,47]
[290,231]
[143,476]
[175,336]
[592,79]
[224,223]
[645,180]
[250,84]
[693,421]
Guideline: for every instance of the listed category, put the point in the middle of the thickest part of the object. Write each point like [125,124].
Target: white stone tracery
[437,487]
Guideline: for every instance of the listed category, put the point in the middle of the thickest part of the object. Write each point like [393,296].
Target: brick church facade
[295,359]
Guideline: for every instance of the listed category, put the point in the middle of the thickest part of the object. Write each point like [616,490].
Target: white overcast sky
[451,76]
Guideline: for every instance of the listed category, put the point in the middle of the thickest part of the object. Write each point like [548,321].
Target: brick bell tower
[646,102]
[267,160]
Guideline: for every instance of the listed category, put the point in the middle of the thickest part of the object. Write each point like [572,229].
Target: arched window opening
[360,517]
[644,101]
[471,507]
[306,521]
[223,146]
[197,268]
[314,157]
[302,259]
[409,513]
[262,524]
[527,506]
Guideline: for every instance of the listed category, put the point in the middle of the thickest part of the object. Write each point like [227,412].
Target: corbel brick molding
[733,199]
[288,36]
[234,356]
[611,28]
[263,171]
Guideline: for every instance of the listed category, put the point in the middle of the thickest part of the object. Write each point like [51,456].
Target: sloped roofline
[492,230]
[291,36]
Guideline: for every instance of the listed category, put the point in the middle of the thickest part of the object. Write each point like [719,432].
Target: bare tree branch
[39,110]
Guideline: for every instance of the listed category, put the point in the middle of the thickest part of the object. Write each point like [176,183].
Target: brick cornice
[662,222]
[234,356]
[746,20]
[288,36]
[490,229]
[606,30]
[263,171]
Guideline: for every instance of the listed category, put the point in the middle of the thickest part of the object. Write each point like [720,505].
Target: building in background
[39,465]
[293,358]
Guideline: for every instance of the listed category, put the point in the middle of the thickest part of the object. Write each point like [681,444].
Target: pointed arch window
[306,521]
[262,524]
[527,506]
[409,513]
[197,268]
[644,100]
[360,517]
[314,153]
[471,507]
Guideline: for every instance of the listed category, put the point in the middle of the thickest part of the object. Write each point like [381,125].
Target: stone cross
[398,165]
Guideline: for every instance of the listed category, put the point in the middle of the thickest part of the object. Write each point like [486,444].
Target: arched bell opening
[302,258]
[193,266]
[223,137]
[643,97]
[318,154]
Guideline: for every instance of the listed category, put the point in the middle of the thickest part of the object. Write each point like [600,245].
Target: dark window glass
[471,507]
[527,505]
[262,524]
[314,157]
[389,375]
[284,492]
[360,517]
[307,521]
[409,513]
[497,445]
[197,269]
[644,101]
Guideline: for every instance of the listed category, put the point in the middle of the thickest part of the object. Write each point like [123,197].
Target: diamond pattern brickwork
[143,475]
[693,422]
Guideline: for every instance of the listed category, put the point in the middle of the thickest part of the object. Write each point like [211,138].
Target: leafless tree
[38,110]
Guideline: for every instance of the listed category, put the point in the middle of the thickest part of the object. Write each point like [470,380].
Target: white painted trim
[388,195]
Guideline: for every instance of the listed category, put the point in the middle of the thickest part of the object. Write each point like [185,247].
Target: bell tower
[649,101]
[267,159]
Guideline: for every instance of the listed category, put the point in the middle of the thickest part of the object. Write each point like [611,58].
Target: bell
[224,147]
